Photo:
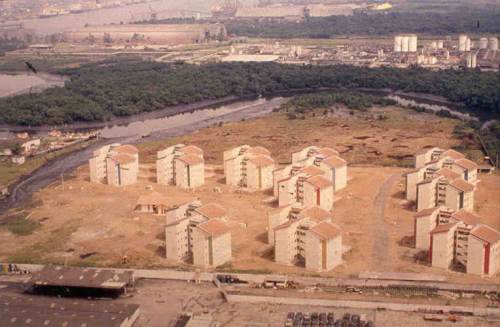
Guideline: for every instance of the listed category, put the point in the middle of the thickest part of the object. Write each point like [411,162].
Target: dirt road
[380,255]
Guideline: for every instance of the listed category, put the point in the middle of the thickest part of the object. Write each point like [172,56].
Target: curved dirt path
[380,255]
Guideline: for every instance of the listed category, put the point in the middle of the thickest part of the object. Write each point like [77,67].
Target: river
[157,129]
[125,14]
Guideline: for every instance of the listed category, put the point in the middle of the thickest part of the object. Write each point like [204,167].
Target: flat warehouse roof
[81,277]
[45,311]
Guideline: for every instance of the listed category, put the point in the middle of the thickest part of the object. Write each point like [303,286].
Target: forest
[101,91]
[371,24]
[9,44]
[324,100]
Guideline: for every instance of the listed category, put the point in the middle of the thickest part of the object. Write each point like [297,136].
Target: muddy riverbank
[175,125]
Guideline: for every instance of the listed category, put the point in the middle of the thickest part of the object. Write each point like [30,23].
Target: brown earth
[93,224]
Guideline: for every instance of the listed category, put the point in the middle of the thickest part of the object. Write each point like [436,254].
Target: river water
[156,128]
[125,14]
[19,83]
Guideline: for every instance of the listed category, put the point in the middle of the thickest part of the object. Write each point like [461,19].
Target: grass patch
[37,252]
[22,226]
[10,173]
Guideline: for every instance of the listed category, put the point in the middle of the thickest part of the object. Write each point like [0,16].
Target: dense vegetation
[99,91]
[324,100]
[371,24]
[9,44]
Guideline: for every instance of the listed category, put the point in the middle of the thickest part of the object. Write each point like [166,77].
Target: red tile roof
[335,161]
[153,198]
[486,234]
[191,159]
[316,213]
[123,159]
[214,227]
[467,217]
[327,152]
[262,161]
[326,230]
[448,174]
[312,171]
[126,148]
[462,185]
[212,210]
[466,164]
[191,149]
[259,150]
[443,228]
[319,182]
[453,154]
[426,212]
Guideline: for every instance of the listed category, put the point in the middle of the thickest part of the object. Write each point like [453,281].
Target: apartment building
[457,238]
[484,251]
[115,164]
[307,186]
[429,161]
[198,233]
[325,158]
[428,219]
[249,167]
[181,165]
[305,237]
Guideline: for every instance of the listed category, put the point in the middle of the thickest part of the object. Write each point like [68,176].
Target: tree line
[466,21]
[123,87]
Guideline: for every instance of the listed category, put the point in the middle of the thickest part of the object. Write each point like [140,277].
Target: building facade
[181,165]
[115,164]
[198,233]
[305,237]
[249,167]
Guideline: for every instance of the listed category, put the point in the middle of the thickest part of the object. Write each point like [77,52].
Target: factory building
[157,34]
[181,165]
[198,233]
[249,167]
[115,164]
[464,43]
[305,236]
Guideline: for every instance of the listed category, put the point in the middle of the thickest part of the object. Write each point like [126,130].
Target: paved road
[380,255]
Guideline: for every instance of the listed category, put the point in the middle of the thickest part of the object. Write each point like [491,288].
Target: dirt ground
[93,224]
[162,301]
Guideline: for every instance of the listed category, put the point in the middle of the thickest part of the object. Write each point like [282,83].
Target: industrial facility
[159,34]
[115,164]
[181,165]
[406,43]
[198,234]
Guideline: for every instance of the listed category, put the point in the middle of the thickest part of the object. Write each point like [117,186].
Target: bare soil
[93,224]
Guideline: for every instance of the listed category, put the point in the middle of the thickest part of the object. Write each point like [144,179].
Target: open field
[91,224]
